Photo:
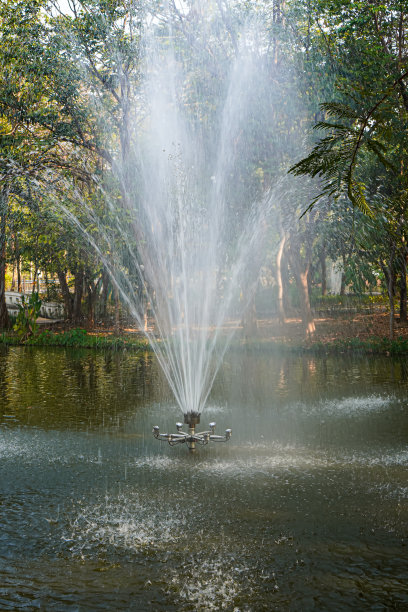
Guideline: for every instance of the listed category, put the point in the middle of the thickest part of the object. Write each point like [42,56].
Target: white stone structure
[49,310]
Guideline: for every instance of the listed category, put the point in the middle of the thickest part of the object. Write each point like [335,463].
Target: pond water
[304,509]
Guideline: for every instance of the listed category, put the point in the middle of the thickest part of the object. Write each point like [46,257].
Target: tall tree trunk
[388,270]
[117,310]
[13,279]
[403,290]
[66,294]
[4,318]
[91,302]
[310,278]
[307,316]
[92,293]
[18,265]
[47,287]
[323,270]
[79,290]
[287,304]
[301,273]
[104,295]
[343,277]
[35,278]
[281,308]
[391,284]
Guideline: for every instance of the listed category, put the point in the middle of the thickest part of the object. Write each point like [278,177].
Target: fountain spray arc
[196,257]
[191,252]
[208,267]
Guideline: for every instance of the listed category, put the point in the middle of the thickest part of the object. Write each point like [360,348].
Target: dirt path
[329,329]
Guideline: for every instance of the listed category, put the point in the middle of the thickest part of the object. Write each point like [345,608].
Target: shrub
[26,321]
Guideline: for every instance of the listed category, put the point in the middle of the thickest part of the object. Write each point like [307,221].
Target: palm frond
[339,110]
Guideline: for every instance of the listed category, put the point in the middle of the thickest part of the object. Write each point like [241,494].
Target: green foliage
[9,339]
[335,64]
[53,293]
[28,312]
[80,338]
[12,320]
[366,41]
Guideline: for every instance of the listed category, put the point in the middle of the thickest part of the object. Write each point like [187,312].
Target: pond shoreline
[136,341]
[79,338]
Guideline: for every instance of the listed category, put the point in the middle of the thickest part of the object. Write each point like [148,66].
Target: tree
[363,153]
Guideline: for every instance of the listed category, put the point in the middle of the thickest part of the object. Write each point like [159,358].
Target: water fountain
[193,254]
[192,437]
[308,510]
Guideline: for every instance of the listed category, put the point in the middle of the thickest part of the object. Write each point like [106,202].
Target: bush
[26,321]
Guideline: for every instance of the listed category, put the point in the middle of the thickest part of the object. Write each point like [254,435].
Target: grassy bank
[78,338]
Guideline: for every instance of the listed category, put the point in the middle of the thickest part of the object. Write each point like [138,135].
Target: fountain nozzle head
[192,437]
[192,418]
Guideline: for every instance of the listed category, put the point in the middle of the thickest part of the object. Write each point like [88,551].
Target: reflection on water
[306,508]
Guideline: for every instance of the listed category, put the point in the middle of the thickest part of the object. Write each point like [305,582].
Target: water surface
[304,509]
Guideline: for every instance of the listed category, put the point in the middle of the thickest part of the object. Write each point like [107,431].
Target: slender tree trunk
[92,293]
[389,274]
[47,288]
[90,301]
[4,318]
[281,308]
[79,290]
[104,295]
[117,310]
[403,290]
[65,293]
[13,279]
[343,277]
[287,304]
[310,278]
[392,304]
[34,285]
[18,265]
[303,290]
[323,270]
[307,316]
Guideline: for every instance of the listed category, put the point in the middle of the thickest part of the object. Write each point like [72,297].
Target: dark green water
[304,509]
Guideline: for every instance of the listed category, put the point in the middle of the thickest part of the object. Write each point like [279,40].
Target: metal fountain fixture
[191,438]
